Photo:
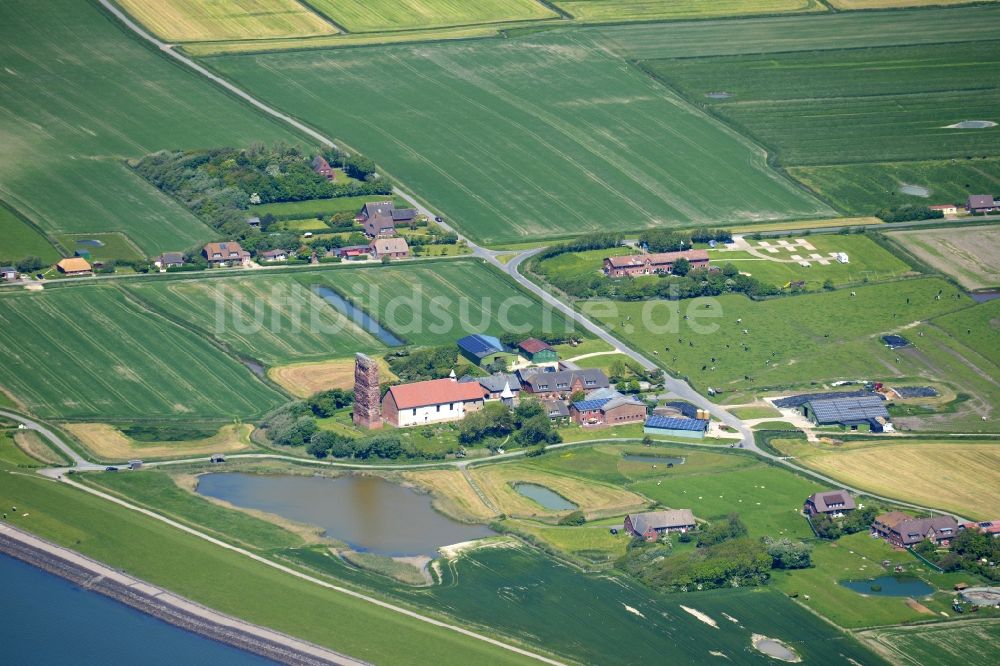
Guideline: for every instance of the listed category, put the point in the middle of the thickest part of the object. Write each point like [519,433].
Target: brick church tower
[367,405]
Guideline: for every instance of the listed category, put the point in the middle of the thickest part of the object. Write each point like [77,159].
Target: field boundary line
[310,579]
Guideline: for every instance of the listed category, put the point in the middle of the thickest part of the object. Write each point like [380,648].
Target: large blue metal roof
[671,423]
[480,345]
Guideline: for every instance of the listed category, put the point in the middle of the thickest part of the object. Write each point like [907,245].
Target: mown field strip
[382,15]
[196,20]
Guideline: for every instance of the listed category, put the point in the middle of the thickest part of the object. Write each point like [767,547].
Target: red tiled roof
[435,392]
[657,259]
[534,345]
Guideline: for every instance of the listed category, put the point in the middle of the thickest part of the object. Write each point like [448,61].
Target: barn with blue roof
[668,426]
[486,350]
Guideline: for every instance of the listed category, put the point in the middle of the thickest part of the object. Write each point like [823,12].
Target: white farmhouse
[432,401]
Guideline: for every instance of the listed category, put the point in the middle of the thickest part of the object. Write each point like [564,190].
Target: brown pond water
[365,512]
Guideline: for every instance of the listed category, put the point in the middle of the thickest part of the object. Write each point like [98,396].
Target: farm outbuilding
[8,273]
[485,350]
[74,266]
[675,427]
[862,413]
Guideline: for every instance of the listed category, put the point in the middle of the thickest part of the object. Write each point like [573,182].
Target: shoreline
[163,605]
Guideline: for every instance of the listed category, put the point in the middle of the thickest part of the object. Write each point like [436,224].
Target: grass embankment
[643,10]
[107,442]
[229,582]
[927,472]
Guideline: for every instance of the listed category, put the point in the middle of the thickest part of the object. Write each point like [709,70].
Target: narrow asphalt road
[78,461]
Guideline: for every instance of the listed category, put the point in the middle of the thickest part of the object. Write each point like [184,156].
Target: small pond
[666,461]
[549,499]
[772,647]
[365,512]
[983,296]
[358,316]
[890,586]
[915,190]
[90,242]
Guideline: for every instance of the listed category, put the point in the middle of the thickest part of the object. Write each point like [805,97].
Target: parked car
[39,276]
[110,468]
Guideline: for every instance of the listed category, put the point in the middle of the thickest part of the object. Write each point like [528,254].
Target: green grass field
[652,10]
[278,319]
[937,644]
[89,352]
[864,188]
[559,136]
[379,15]
[791,340]
[21,240]
[837,107]
[113,245]
[978,327]
[845,106]
[77,96]
[782,34]
[274,319]
[195,20]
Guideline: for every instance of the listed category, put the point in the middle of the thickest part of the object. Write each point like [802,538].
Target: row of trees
[420,364]
[664,240]
[856,521]
[907,212]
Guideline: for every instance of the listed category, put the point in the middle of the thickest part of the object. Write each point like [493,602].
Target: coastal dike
[178,611]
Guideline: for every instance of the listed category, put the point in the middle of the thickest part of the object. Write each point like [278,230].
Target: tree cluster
[788,554]
[219,185]
[526,425]
[971,550]
[326,403]
[421,364]
[856,521]
[907,212]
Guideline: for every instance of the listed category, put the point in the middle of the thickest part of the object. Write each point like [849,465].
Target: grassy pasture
[197,20]
[781,34]
[559,136]
[380,15]
[77,96]
[89,352]
[108,443]
[864,188]
[593,499]
[868,262]
[655,10]
[21,240]
[114,245]
[843,106]
[274,319]
[791,340]
[978,327]
[971,255]
[926,472]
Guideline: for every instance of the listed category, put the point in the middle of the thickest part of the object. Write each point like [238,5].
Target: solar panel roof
[670,423]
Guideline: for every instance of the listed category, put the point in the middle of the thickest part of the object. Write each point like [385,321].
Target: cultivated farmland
[650,10]
[936,644]
[77,96]
[782,34]
[558,136]
[109,443]
[971,255]
[21,240]
[841,106]
[864,188]
[271,318]
[926,472]
[789,341]
[376,15]
[196,20]
[89,352]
